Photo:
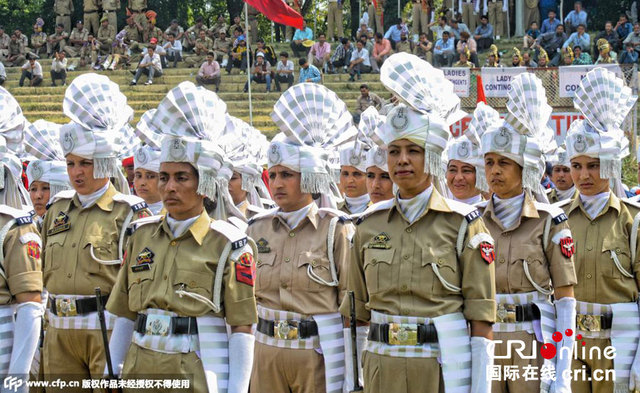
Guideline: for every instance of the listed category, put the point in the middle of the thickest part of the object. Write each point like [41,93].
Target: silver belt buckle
[403,334]
[157,325]
[506,313]
[285,330]
[66,307]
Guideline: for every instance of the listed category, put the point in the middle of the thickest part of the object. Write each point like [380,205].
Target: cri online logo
[548,351]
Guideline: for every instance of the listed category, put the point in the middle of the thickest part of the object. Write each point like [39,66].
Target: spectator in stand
[381,50]
[395,31]
[4,44]
[57,41]
[261,73]
[193,33]
[22,38]
[218,27]
[59,68]
[547,6]
[38,38]
[238,57]
[567,56]
[463,60]
[209,72]
[484,34]
[607,56]
[623,28]
[456,28]
[611,36]
[493,60]
[423,48]
[222,47]
[17,54]
[467,43]
[443,51]
[629,56]
[549,25]
[202,46]
[364,29]
[360,63]
[576,17]
[438,27]
[267,50]
[3,74]
[284,71]
[516,59]
[151,31]
[173,48]
[150,66]
[580,38]
[308,72]
[404,45]
[527,61]
[580,57]
[31,70]
[341,57]
[543,59]
[366,100]
[530,36]
[552,43]
[320,53]
[367,43]
[237,24]
[634,38]
[298,37]
[176,29]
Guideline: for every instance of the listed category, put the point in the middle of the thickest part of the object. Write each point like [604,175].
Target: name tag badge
[60,224]
[140,268]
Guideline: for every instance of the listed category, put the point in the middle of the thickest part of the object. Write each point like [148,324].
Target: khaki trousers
[66,21]
[113,19]
[593,386]
[531,15]
[385,374]
[468,17]
[92,23]
[518,385]
[496,18]
[420,19]
[73,354]
[334,18]
[287,370]
[375,23]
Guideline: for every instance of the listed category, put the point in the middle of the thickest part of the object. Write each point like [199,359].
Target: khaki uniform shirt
[467,64]
[390,270]
[21,259]
[365,102]
[284,256]
[90,5]
[106,33]
[38,39]
[63,7]
[524,243]
[404,47]
[196,30]
[221,44]
[233,28]
[157,264]
[553,195]
[137,5]
[110,5]
[24,40]
[599,280]
[4,41]
[78,36]
[152,32]
[215,29]
[16,48]
[133,34]
[69,268]
[64,35]
[204,46]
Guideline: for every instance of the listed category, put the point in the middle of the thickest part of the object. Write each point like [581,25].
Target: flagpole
[246,24]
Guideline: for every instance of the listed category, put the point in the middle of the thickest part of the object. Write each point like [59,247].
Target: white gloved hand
[565,319]
[482,358]
[119,344]
[361,341]
[240,361]
[25,340]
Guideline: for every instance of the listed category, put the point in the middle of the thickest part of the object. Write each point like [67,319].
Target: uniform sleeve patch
[560,218]
[567,247]
[30,237]
[487,252]
[246,269]
[474,215]
[33,249]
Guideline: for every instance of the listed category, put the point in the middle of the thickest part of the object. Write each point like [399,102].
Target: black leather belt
[91,12]
[63,14]
[83,306]
[178,325]
[139,11]
[606,321]
[305,329]
[527,312]
[426,333]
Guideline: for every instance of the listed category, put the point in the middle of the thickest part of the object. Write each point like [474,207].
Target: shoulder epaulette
[376,207]
[470,212]
[556,213]
[266,214]
[327,211]
[22,217]
[634,201]
[66,194]
[256,209]
[237,238]
[481,205]
[563,203]
[135,202]
[267,203]
[238,223]
[133,226]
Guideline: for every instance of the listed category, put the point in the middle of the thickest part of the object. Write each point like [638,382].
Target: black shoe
[133,72]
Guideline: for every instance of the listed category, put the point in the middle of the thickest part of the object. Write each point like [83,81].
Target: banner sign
[497,81]
[461,79]
[570,76]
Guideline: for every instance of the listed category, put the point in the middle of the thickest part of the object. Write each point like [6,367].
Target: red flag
[481,97]
[278,11]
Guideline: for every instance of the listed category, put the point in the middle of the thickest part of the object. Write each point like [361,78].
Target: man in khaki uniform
[152,31]
[469,13]
[531,12]
[252,34]
[38,41]
[111,8]
[219,26]
[57,41]
[334,20]
[404,45]
[497,17]
[375,21]
[63,10]
[193,33]
[133,34]
[77,42]
[82,242]
[106,35]
[4,43]
[91,17]
[237,23]
[138,8]
[155,285]
[16,55]
[221,48]
[202,46]
[420,14]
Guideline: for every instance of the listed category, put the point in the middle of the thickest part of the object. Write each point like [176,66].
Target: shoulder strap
[236,237]
[66,194]
[384,205]
[634,236]
[331,237]
[3,233]
[135,202]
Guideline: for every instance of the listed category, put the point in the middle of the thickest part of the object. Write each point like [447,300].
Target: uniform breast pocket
[313,273]
[101,251]
[140,282]
[443,264]
[54,252]
[265,271]
[377,269]
[617,252]
[528,267]
[200,283]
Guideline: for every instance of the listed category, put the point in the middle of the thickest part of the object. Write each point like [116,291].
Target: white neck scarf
[469,201]
[89,200]
[414,207]
[508,210]
[357,204]
[293,219]
[593,204]
[156,207]
[179,227]
[566,194]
